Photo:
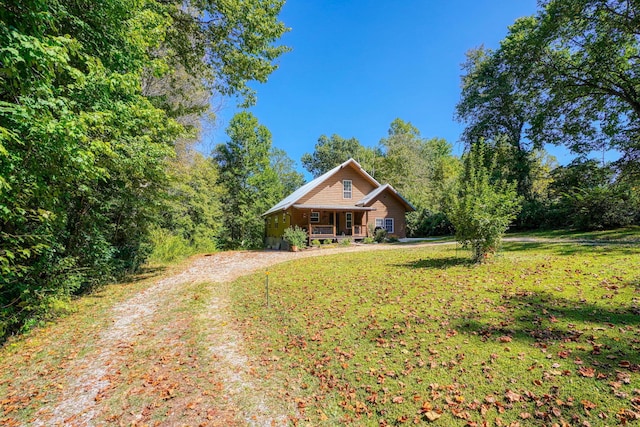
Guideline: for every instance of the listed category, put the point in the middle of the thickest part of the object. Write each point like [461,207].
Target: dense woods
[102,102]
[98,104]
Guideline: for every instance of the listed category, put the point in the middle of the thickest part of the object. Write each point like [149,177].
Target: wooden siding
[274,229]
[387,206]
[330,191]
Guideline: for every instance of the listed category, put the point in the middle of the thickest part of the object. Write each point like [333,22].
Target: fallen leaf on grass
[587,372]
[512,396]
[432,415]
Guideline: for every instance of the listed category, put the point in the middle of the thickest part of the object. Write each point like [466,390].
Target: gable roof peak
[288,201]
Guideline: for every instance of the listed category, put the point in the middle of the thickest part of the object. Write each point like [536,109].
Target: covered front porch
[333,222]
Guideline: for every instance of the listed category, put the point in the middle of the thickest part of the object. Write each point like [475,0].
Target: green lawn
[545,333]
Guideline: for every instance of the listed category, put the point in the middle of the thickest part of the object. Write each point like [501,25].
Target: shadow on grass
[430,263]
[572,248]
[144,273]
[599,336]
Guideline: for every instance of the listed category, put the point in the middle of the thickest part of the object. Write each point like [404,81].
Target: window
[346,189]
[315,217]
[385,223]
[388,225]
[348,216]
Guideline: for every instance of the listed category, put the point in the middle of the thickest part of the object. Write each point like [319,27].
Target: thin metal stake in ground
[267,288]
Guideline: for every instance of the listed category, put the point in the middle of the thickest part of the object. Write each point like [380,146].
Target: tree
[84,149]
[422,170]
[251,185]
[481,211]
[496,105]
[283,166]
[588,196]
[226,43]
[191,213]
[82,155]
[330,152]
[576,67]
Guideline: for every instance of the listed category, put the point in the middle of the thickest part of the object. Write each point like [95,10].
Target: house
[344,203]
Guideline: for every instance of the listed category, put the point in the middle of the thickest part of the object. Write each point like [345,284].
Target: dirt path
[147,349]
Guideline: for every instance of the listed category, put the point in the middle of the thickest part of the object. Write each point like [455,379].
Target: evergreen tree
[251,184]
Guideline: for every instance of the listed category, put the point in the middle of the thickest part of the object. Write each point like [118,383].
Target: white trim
[380,222]
[346,192]
[392,225]
[348,219]
[292,198]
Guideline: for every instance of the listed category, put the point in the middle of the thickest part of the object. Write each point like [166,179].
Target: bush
[392,239]
[380,235]
[327,242]
[295,236]
[368,240]
[316,242]
[345,242]
[482,210]
[427,223]
[601,207]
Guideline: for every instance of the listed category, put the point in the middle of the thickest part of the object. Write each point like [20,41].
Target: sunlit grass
[544,333]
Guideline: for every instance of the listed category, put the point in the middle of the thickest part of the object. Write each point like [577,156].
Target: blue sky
[357,65]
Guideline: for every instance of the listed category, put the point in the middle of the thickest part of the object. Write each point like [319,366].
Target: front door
[338,230]
[348,219]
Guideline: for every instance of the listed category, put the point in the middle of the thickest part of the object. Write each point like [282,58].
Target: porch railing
[322,229]
[329,230]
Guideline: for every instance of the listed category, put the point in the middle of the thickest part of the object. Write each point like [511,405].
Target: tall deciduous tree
[329,152]
[496,107]
[575,69]
[252,186]
[83,149]
[284,167]
[589,50]
[423,170]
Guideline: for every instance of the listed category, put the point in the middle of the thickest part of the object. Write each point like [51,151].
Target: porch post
[366,223]
[309,227]
[334,223]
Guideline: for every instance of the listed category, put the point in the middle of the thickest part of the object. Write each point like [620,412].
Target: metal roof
[375,193]
[288,201]
[335,207]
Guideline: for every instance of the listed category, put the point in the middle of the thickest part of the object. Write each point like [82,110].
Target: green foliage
[284,167]
[566,76]
[316,243]
[368,240]
[587,196]
[422,170]
[251,186]
[190,219]
[345,242]
[330,152]
[423,222]
[481,211]
[86,137]
[84,151]
[380,235]
[327,241]
[295,236]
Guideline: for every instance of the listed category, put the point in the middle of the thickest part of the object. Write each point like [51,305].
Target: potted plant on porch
[296,237]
